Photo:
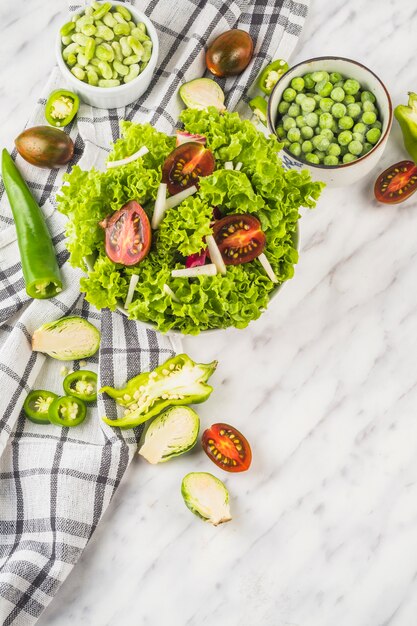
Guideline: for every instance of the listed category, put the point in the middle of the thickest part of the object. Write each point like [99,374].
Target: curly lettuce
[262,187]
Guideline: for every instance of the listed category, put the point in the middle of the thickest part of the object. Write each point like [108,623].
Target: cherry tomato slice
[184,166]
[128,234]
[227,448]
[239,237]
[397,183]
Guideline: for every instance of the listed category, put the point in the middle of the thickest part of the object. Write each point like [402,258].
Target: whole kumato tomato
[230,53]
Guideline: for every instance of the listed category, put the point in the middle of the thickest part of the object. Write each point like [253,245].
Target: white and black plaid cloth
[56,483]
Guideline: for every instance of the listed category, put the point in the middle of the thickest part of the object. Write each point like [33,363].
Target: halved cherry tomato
[397,183]
[128,234]
[239,237]
[227,448]
[184,166]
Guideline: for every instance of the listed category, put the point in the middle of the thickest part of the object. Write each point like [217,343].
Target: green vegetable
[36,405]
[67,411]
[170,434]
[61,107]
[81,384]
[406,116]
[178,381]
[37,254]
[271,74]
[67,338]
[202,93]
[207,497]
[259,107]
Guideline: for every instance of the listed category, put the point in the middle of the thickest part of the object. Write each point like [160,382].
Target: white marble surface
[324,386]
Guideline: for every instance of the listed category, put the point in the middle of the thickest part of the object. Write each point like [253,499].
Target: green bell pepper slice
[259,108]
[36,405]
[61,107]
[178,381]
[81,385]
[67,411]
[406,116]
[271,74]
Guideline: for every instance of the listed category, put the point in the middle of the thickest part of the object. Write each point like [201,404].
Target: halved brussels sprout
[67,339]
[173,432]
[201,93]
[207,497]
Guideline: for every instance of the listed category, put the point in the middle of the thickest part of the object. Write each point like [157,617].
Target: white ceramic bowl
[114,97]
[347,173]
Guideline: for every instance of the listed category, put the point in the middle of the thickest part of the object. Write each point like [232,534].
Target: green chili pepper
[407,119]
[67,411]
[36,406]
[61,107]
[178,381]
[271,74]
[37,254]
[81,385]
[259,108]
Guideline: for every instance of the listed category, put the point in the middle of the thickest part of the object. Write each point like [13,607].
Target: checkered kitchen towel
[56,483]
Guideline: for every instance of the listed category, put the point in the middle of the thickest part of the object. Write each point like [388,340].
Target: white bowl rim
[94,89]
[341,165]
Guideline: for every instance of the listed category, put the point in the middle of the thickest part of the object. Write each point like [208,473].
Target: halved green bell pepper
[406,116]
[61,107]
[178,381]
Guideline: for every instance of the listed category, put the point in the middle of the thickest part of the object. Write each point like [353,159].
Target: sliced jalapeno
[61,107]
[36,405]
[81,385]
[259,108]
[271,74]
[67,411]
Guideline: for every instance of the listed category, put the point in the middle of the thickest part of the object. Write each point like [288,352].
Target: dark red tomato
[230,53]
[239,237]
[128,234]
[184,166]
[397,183]
[227,448]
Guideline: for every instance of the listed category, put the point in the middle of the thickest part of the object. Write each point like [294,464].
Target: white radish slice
[170,293]
[193,272]
[174,201]
[132,286]
[160,206]
[215,254]
[238,166]
[228,165]
[267,267]
[133,157]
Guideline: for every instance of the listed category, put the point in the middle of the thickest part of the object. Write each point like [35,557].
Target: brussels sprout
[207,497]
[173,432]
[201,93]
[66,339]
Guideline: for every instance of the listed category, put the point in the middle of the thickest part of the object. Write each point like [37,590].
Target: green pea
[320,143]
[373,135]
[325,120]
[307,146]
[324,88]
[349,157]
[105,70]
[294,135]
[367,147]
[288,122]
[102,10]
[108,83]
[339,83]
[121,29]
[346,122]
[326,104]
[349,99]
[306,133]
[297,83]
[283,107]
[289,94]
[312,158]
[359,128]
[285,143]
[326,132]
[109,20]
[317,97]
[134,58]
[320,155]
[66,40]
[133,72]
[351,86]
[344,138]
[126,49]
[367,96]
[312,119]
[67,29]
[331,159]
[335,127]
[317,130]
[358,137]
[279,129]
[121,69]
[300,97]
[135,45]
[337,94]
[355,147]
[368,118]
[369,107]
[335,77]
[308,81]
[300,121]
[78,72]
[308,104]
[354,110]
[92,77]
[319,76]
[377,124]
[338,110]
[295,149]
[71,60]
[334,149]
[294,110]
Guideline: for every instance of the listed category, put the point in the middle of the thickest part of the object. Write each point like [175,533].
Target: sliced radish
[215,254]
[160,206]
[184,137]
[174,201]
[132,286]
[228,165]
[170,293]
[133,157]
[197,259]
[193,272]
[238,166]
[267,267]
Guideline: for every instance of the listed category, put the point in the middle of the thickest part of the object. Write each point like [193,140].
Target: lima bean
[124,13]
[78,72]
[136,46]
[134,71]
[67,29]
[134,58]
[108,83]
[105,52]
[92,77]
[121,69]
[122,29]
[105,70]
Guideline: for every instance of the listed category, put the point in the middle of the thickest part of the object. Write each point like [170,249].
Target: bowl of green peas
[108,53]
[332,115]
